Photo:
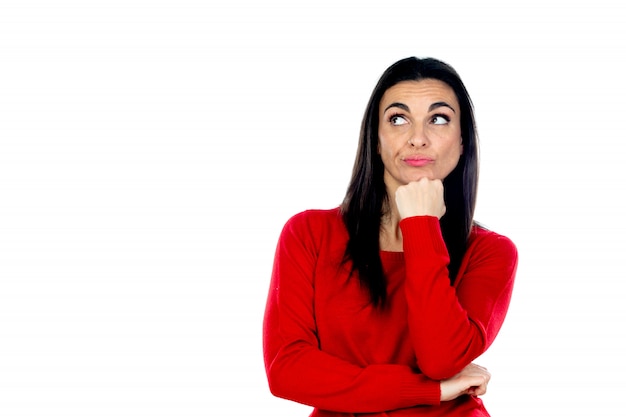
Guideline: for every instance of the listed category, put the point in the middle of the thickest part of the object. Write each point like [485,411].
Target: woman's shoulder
[319,228]
[485,238]
[315,221]
[316,217]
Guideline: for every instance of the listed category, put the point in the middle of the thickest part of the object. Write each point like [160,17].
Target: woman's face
[419,133]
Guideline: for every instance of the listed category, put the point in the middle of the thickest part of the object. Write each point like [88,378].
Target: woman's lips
[417,161]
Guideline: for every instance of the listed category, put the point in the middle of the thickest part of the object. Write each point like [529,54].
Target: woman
[381,305]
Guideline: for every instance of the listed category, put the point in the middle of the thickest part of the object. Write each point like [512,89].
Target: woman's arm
[296,367]
[451,326]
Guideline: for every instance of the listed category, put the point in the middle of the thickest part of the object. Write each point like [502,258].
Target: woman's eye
[440,120]
[397,120]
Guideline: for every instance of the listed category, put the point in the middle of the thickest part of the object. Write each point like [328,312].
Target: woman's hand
[421,198]
[472,380]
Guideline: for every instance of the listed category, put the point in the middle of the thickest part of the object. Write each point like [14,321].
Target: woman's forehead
[426,90]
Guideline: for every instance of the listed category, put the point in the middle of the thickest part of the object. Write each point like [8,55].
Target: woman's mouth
[417,161]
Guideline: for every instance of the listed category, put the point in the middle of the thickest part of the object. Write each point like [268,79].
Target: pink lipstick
[417,161]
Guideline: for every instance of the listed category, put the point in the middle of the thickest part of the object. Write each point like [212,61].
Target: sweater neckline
[392,256]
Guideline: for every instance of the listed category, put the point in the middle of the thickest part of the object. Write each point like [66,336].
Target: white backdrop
[150,152]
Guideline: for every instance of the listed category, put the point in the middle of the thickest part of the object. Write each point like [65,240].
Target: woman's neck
[390,237]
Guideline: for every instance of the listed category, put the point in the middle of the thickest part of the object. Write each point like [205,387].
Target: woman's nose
[418,138]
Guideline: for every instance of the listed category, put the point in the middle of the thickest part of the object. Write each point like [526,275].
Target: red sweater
[326,346]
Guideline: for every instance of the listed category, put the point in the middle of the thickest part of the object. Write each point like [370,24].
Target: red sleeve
[452,326]
[297,369]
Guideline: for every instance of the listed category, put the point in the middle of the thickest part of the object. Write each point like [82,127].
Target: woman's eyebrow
[400,105]
[430,108]
[440,104]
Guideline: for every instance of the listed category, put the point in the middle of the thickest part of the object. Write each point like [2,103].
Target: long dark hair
[366,196]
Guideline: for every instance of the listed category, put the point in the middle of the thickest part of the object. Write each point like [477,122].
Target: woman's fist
[472,380]
[421,198]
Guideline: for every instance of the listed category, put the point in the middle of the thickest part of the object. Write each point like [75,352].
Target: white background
[150,152]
